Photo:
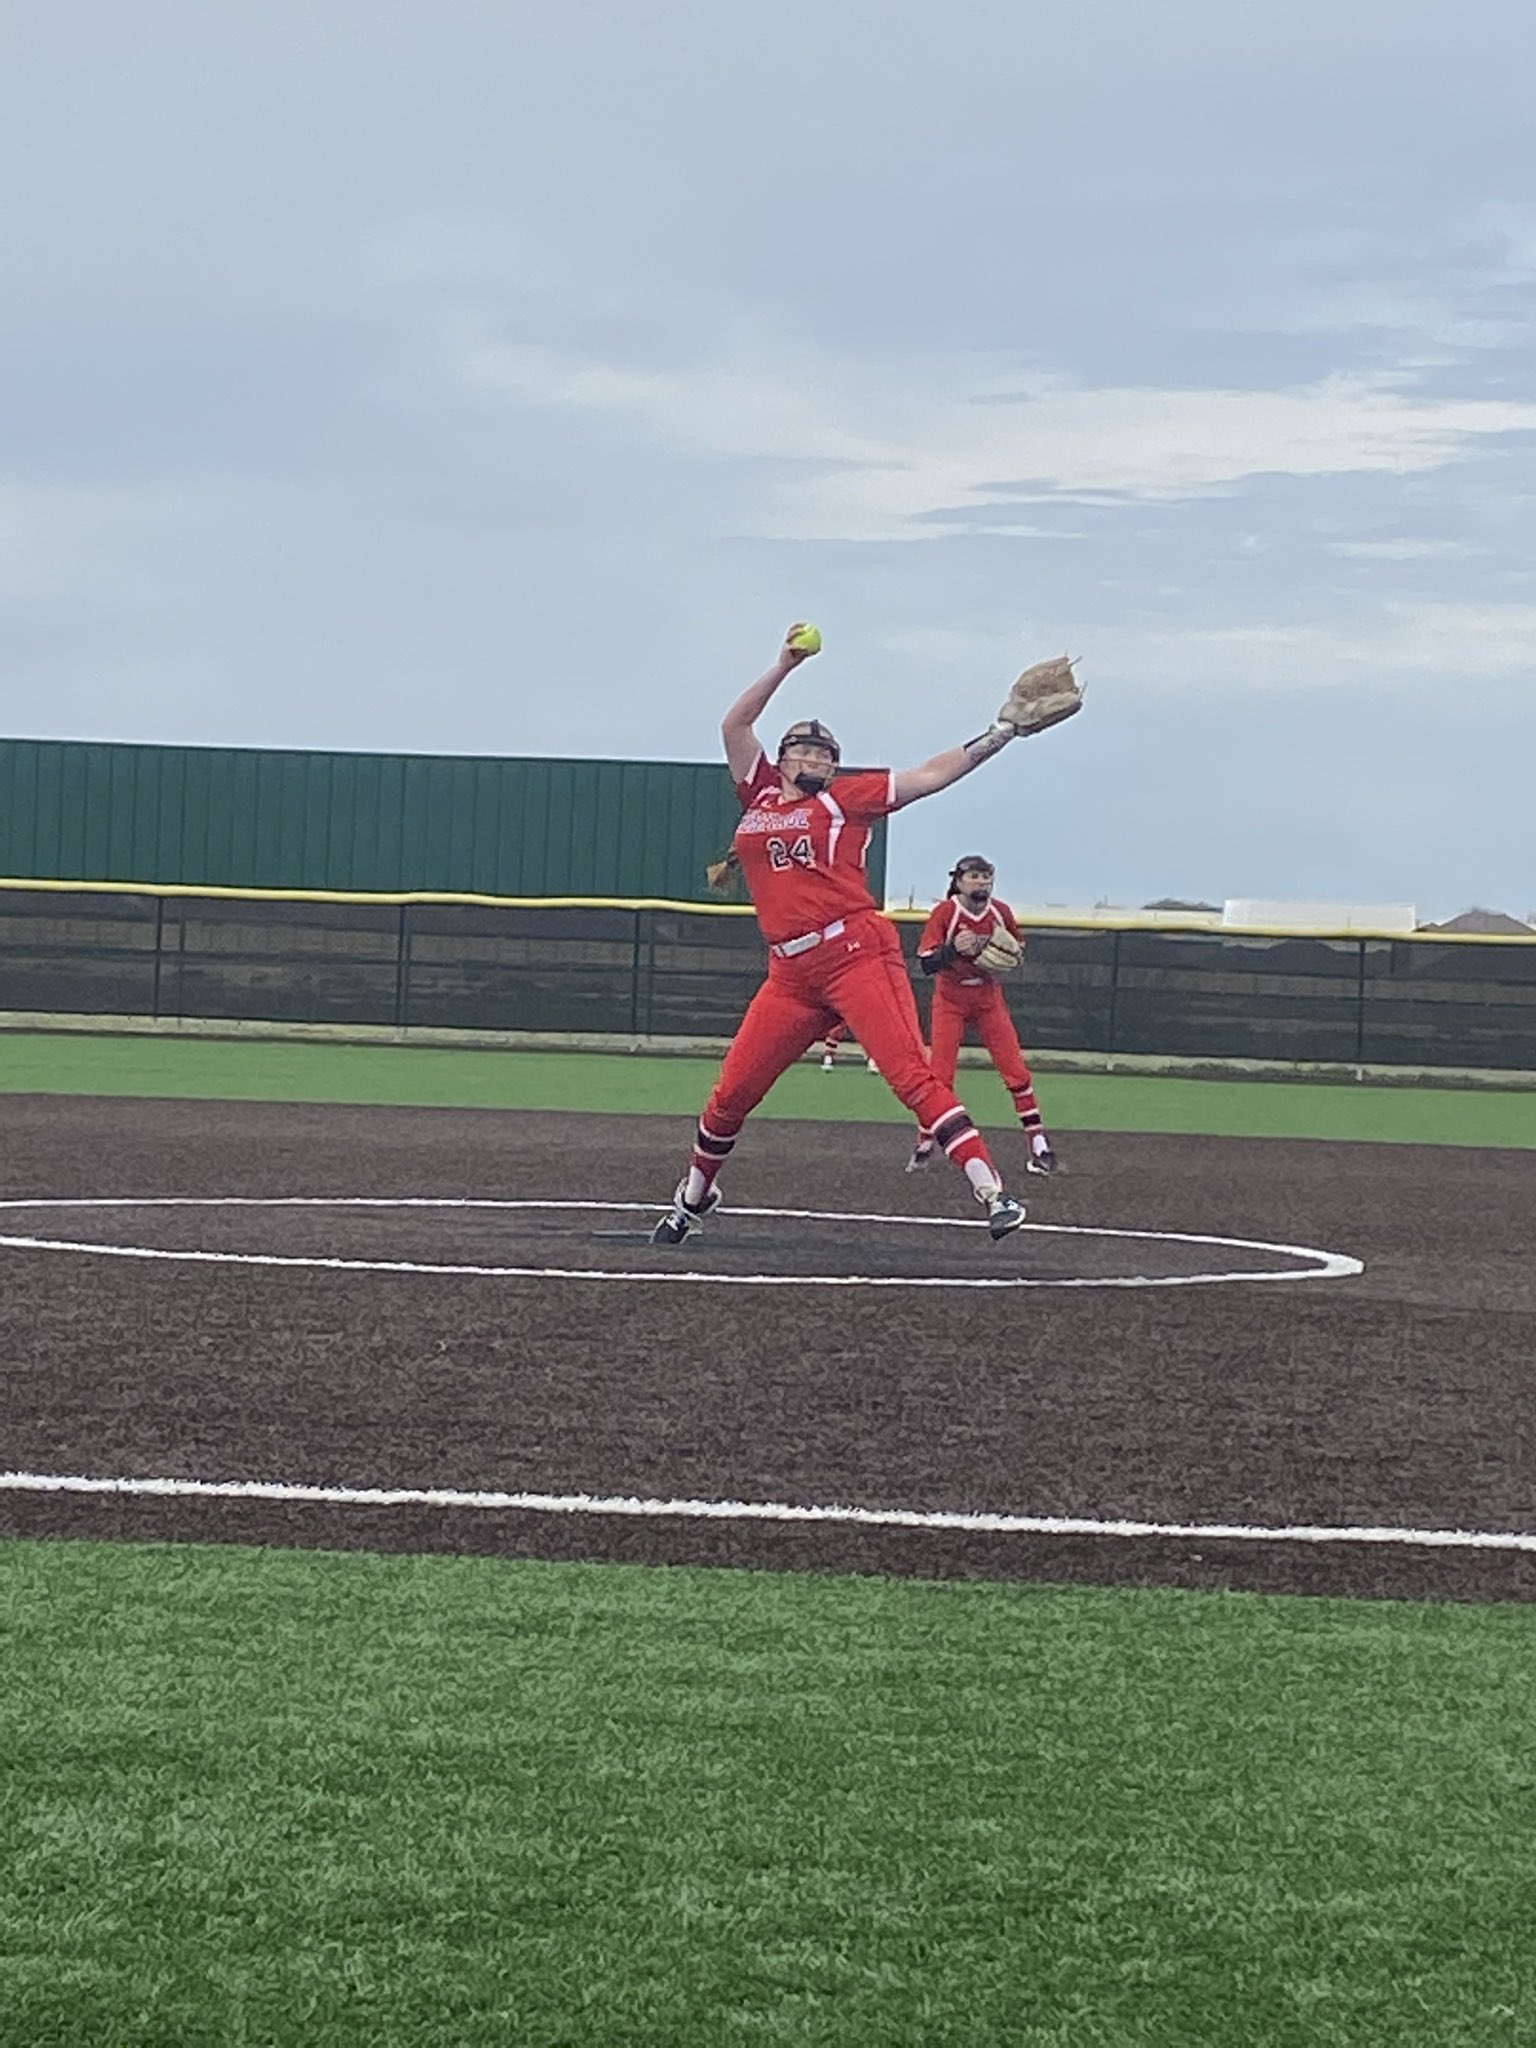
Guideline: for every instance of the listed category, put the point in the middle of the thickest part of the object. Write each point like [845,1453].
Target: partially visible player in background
[838,1035]
[964,993]
[803,844]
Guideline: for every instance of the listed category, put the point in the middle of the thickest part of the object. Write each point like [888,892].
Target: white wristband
[992,741]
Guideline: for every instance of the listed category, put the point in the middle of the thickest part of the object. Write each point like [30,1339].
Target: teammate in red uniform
[803,842]
[964,994]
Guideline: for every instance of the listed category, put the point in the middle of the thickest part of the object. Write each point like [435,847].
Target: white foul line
[635,1507]
[1325,1265]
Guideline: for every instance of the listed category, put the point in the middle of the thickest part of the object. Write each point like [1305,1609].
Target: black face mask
[809,783]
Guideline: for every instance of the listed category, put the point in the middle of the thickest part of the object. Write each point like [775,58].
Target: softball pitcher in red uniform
[803,842]
[964,994]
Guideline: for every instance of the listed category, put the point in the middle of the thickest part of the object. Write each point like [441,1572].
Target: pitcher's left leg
[872,991]
[946,1029]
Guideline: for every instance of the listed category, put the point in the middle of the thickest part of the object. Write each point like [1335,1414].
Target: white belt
[790,947]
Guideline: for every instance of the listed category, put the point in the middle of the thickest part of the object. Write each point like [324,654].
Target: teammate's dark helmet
[815,733]
[967,864]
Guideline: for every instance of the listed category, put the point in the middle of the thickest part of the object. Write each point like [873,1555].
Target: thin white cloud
[1401,645]
[1420,293]
[1438,327]
[1402,550]
[882,449]
[1396,646]
[1511,231]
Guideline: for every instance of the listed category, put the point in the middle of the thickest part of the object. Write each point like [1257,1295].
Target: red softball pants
[987,1008]
[860,977]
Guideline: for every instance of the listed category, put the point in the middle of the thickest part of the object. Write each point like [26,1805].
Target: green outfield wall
[250,818]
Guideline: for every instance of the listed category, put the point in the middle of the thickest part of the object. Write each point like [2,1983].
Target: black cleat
[1043,1161]
[1004,1214]
[680,1219]
[922,1153]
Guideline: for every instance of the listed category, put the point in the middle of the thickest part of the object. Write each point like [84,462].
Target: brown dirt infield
[1396,1399]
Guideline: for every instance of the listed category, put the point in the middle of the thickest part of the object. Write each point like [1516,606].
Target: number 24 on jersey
[796,853]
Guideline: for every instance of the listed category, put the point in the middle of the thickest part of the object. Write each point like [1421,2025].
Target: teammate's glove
[1044,695]
[722,874]
[1001,954]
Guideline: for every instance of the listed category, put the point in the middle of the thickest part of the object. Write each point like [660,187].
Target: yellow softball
[807,640]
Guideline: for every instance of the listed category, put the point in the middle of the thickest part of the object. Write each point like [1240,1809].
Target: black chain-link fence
[679,973]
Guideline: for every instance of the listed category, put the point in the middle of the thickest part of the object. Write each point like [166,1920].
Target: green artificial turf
[297,1798]
[620,1082]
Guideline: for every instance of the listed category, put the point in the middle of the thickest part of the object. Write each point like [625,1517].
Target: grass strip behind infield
[290,1798]
[613,1083]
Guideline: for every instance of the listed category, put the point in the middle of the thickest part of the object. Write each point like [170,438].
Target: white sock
[982,1178]
[696,1189]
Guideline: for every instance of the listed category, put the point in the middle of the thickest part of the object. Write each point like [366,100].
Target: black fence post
[402,966]
[650,972]
[634,974]
[1114,992]
[178,1008]
[154,1000]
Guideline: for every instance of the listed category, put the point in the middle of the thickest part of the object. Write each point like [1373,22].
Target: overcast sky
[470,376]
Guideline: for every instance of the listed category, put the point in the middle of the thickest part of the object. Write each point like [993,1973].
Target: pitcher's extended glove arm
[1043,696]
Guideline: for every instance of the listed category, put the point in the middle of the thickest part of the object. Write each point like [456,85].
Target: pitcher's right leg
[875,996]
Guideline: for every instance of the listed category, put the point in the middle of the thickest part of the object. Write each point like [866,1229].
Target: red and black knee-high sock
[710,1152]
[962,1142]
[1028,1109]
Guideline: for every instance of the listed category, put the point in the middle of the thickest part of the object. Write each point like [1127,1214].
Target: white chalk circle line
[1321,1265]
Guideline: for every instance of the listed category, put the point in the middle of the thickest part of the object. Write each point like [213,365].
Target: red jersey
[804,857]
[951,916]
